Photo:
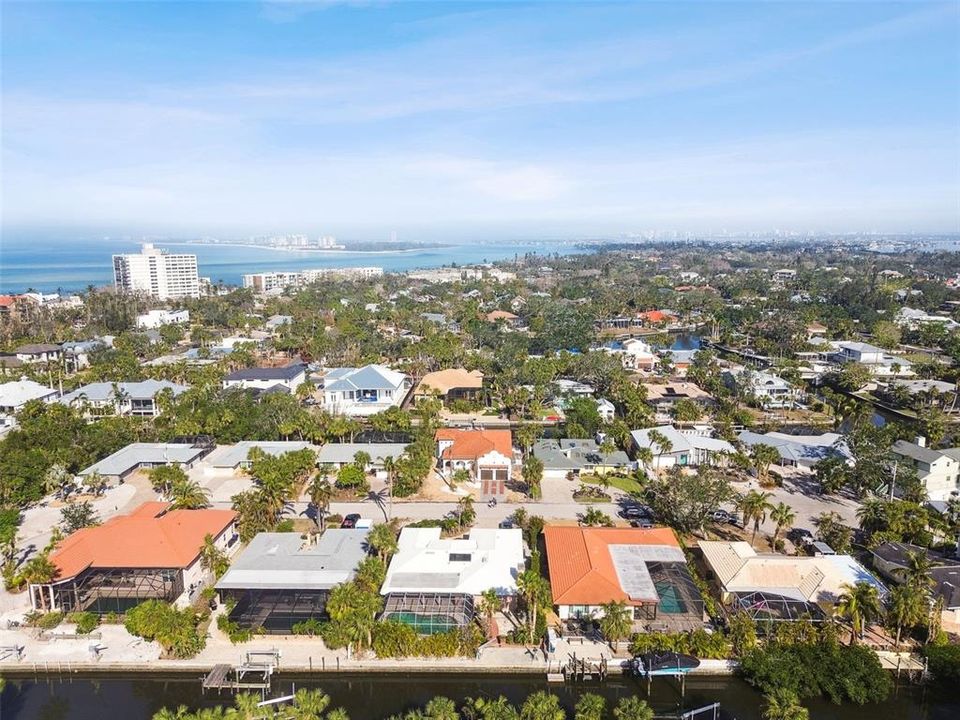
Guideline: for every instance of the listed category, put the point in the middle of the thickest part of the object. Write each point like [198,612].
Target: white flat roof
[485,559]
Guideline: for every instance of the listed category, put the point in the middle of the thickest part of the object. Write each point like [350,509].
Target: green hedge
[698,643]
[175,630]
[839,672]
[944,662]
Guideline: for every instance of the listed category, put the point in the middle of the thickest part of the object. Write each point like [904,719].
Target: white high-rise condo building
[157,273]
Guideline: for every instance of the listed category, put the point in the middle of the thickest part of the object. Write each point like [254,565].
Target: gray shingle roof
[288,372]
[137,454]
[915,452]
[286,561]
[575,454]
[103,391]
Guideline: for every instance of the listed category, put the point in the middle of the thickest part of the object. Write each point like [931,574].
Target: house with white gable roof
[358,392]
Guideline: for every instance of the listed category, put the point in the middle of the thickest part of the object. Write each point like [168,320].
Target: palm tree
[188,495]
[872,514]
[383,539]
[632,708]
[616,622]
[40,570]
[247,706]
[860,603]
[58,480]
[321,494]
[536,592]
[783,515]
[183,713]
[918,569]
[594,517]
[212,558]
[465,511]
[754,506]
[95,483]
[907,607]
[390,468]
[482,708]
[338,714]
[763,456]
[309,704]
[441,708]
[361,459]
[542,706]
[663,444]
[590,706]
[783,704]
[490,603]
[645,456]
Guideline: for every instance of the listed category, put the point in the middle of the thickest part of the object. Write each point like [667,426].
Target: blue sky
[480,120]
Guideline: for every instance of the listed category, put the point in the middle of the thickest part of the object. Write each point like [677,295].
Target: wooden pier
[581,669]
[254,673]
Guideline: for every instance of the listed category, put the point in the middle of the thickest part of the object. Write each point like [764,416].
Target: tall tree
[860,604]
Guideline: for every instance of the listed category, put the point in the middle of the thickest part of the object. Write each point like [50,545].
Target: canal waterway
[374,697]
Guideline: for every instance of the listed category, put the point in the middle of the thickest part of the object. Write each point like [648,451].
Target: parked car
[801,537]
[350,521]
[643,522]
[723,517]
[636,512]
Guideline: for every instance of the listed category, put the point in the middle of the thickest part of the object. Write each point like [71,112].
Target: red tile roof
[472,444]
[152,536]
[656,316]
[581,569]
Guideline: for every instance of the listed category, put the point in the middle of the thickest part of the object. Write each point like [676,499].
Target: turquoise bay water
[49,266]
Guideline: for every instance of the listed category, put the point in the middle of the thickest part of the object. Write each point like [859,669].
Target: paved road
[486,516]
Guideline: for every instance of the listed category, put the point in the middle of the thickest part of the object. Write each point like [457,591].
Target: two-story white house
[287,378]
[359,392]
[769,390]
[486,454]
[879,361]
[938,470]
[139,399]
[153,319]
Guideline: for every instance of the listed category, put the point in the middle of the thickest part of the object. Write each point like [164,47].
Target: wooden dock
[255,673]
[217,678]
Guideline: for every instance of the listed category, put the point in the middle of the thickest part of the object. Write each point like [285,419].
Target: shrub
[839,672]
[111,618]
[285,526]
[944,662]
[396,639]
[175,630]
[310,627]
[698,643]
[44,621]
[352,478]
[86,622]
[233,630]
[429,523]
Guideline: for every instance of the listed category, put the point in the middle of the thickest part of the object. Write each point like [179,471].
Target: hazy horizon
[502,121]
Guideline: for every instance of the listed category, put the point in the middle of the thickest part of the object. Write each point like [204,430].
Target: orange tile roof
[445,380]
[500,315]
[471,444]
[581,569]
[6,301]
[656,316]
[150,537]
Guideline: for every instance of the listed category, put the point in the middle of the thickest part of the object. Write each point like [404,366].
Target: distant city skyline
[462,120]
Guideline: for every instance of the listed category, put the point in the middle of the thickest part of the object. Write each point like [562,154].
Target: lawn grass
[627,484]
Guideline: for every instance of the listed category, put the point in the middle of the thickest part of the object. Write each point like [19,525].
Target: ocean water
[70,265]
